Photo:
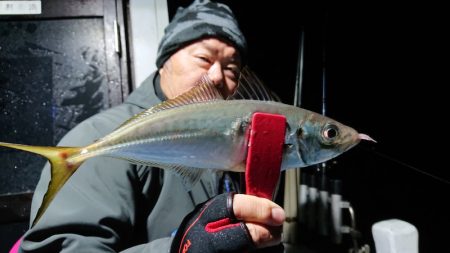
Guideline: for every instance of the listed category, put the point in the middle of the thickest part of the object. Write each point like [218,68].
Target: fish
[200,130]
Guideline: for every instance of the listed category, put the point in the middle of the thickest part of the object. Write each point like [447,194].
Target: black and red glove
[212,227]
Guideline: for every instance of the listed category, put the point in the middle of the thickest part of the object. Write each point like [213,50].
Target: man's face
[219,60]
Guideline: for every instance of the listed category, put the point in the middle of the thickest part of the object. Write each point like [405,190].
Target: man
[110,205]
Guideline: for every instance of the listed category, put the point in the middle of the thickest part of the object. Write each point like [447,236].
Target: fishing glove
[212,227]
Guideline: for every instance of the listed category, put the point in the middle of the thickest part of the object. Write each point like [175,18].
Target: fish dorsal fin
[251,87]
[204,91]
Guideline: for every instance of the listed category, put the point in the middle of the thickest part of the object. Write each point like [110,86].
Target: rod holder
[336,211]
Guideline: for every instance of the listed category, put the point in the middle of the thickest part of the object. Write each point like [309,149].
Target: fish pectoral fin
[189,176]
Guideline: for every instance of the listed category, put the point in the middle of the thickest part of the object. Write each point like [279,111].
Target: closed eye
[204,59]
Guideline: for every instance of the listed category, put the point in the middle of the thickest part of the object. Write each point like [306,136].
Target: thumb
[253,209]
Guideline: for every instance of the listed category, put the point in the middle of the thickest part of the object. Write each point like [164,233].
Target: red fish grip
[264,154]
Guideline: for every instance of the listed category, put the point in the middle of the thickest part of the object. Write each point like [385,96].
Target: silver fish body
[213,135]
[199,130]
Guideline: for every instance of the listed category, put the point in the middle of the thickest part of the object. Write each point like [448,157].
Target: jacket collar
[145,96]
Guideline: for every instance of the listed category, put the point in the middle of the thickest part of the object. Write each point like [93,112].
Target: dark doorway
[57,68]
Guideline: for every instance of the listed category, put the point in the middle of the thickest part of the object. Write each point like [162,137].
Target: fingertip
[255,209]
[278,215]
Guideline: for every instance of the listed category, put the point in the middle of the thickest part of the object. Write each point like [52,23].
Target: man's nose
[216,75]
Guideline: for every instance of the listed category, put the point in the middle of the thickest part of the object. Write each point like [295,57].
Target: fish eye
[330,132]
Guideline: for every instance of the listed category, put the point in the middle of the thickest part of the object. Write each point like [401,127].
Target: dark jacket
[109,205]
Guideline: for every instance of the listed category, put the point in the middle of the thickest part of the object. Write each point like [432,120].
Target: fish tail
[61,169]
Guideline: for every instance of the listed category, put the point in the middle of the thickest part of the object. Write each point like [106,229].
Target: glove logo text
[186,246]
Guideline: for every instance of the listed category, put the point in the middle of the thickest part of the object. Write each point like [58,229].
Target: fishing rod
[406,165]
[299,75]
[292,194]
[322,183]
[322,166]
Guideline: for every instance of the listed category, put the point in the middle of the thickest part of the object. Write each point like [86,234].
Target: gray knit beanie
[199,20]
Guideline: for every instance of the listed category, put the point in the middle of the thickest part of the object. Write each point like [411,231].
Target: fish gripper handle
[264,154]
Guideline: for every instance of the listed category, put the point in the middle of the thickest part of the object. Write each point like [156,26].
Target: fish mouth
[366,137]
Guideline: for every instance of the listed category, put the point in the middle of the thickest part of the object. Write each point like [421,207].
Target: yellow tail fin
[61,170]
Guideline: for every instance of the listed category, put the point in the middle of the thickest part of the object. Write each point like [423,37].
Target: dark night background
[385,76]
[384,67]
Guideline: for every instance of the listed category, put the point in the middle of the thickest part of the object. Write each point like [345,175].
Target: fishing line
[392,159]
